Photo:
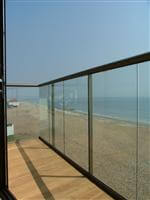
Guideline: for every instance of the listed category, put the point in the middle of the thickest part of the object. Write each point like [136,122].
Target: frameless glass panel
[144,132]
[22,113]
[59,116]
[76,120]
[44,114]
[115,129]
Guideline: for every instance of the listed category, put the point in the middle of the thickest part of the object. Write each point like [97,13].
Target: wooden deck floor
[36,172]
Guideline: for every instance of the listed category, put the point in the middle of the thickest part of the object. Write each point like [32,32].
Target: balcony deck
[37,172]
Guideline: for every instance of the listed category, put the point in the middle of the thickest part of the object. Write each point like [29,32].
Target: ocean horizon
[120,108]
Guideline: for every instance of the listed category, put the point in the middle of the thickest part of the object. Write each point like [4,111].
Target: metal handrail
[106,67]
[113,65]
[21,85]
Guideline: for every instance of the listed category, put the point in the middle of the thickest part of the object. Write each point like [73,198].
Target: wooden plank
[31,160]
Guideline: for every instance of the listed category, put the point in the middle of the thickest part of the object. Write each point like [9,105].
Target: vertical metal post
[137,136]
[90,124]
[48,104]
[64,116]
[3,107]
[53,116]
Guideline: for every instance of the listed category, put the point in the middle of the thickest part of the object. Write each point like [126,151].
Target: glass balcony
[93,127]
[120,127]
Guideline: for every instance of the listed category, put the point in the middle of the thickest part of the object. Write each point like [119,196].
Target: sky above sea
[50,39]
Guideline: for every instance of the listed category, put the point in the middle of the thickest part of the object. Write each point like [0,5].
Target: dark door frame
[4,191]
[3,122]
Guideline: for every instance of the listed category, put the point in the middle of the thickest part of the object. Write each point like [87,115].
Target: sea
[122,108]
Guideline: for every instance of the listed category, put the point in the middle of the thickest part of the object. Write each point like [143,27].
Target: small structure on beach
[13,103]
[10,129]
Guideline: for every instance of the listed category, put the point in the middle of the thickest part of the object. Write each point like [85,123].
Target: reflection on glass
[22,113]
[76,120]
[59,116]
[115,129]
[44,115]
[144,132]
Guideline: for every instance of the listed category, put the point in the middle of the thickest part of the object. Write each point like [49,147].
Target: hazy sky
[50,39]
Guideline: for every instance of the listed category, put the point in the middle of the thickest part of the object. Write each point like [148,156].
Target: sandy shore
[25,119]
[114,145]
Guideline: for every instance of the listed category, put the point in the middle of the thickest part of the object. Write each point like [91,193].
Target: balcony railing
[99,121]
